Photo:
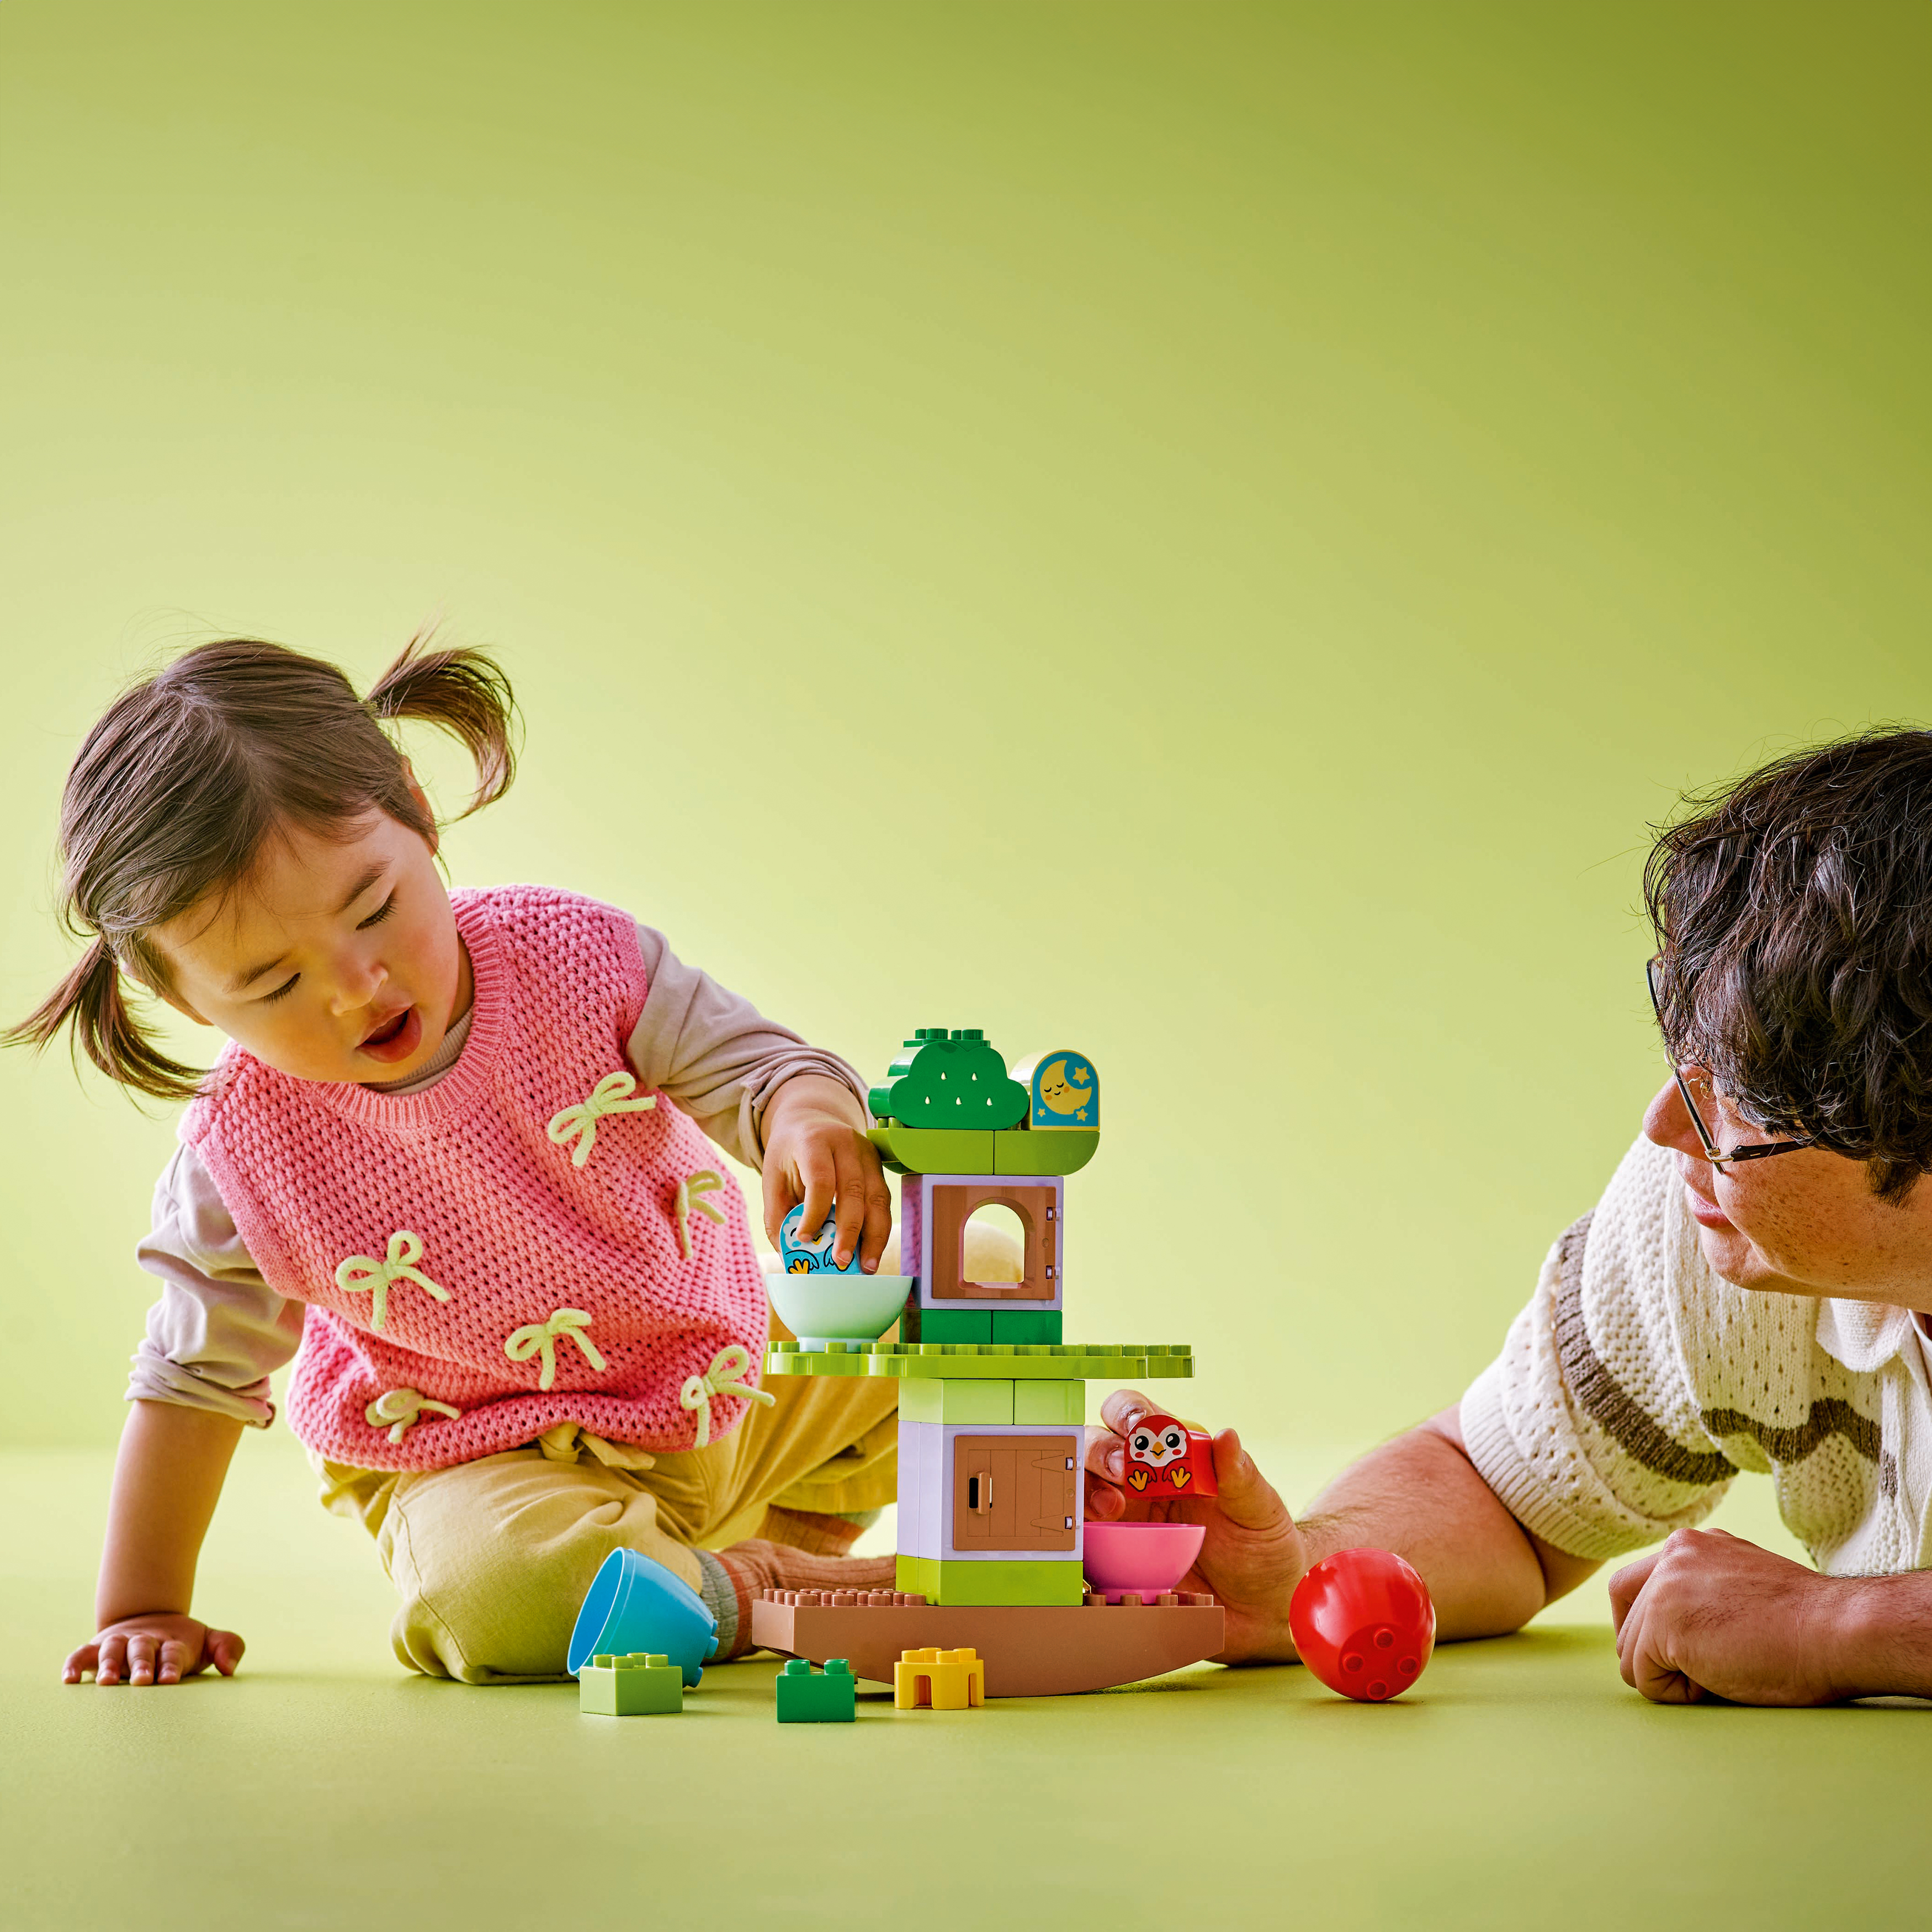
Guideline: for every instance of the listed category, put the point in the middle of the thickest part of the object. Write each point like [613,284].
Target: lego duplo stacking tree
[991,1397]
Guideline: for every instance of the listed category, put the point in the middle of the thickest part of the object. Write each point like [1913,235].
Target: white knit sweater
[1637,1383]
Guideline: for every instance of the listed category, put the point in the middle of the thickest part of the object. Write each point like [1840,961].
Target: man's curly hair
[1793,912]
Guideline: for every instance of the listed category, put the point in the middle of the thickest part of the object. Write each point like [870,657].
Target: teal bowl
[838,1307]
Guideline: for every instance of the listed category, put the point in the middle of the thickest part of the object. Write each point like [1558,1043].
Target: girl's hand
[1252,1555]
[816,1151]
[157,1649]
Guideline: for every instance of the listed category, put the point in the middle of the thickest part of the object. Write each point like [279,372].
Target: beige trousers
[492,1558]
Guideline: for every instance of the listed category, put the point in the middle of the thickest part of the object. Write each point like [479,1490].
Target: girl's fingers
[224,1651]
[851,1213]
[141,1648]
[177,1660]
[81,1661]
[835,1173]
[876,1192]
[818,1179]
[865,1204]
[112,1663]
[781,1196]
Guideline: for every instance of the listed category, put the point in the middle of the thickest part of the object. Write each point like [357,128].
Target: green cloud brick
[955,1079]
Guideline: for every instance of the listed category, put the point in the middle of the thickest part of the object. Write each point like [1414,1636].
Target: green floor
[1521,1785]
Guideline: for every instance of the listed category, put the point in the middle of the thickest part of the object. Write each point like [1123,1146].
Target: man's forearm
[1880,1640]
[1421,1496]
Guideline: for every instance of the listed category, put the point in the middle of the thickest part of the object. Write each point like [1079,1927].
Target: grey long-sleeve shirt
[219,1331]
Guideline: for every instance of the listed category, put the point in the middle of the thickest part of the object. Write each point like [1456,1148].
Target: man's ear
[421,798]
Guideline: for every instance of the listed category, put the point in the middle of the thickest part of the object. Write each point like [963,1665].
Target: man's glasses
[1763,1150]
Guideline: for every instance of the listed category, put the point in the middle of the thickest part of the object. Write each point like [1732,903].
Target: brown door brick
[1014,1492]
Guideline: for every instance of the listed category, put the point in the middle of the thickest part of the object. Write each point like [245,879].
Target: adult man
[1752,1292]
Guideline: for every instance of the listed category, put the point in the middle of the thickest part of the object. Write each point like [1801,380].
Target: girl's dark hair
[178,786]
[1794,911]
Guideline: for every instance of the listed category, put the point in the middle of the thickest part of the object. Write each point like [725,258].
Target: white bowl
[838,1307]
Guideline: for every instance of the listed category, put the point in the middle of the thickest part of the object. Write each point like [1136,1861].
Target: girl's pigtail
[466,695]
[89,1001]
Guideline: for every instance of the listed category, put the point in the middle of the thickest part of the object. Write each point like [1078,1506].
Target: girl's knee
[491,1594]
[480,1609]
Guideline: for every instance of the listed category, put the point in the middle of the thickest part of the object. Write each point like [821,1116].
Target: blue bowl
[634,1603]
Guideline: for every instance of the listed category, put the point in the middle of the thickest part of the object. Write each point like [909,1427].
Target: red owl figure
[1166,1458]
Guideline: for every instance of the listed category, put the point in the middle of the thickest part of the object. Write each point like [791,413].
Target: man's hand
[1711,1616]
[1252,1555]
[816,1151]
[159,1649]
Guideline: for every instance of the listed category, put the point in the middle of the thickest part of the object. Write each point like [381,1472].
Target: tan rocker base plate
[1029,1651]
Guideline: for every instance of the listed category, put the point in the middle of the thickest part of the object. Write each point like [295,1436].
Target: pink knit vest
[517,1288]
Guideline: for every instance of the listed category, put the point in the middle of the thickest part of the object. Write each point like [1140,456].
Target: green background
[1201,534]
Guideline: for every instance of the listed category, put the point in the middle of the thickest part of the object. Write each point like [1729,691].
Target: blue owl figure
[814,1256]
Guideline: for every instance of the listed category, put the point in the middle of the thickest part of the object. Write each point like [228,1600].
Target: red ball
[1364,1623]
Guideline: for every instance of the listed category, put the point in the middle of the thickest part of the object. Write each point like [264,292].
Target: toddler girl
[455,1149]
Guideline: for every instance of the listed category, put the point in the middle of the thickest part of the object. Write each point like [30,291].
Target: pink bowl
[1148,1558]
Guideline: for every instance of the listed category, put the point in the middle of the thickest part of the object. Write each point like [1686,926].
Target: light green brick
[634,1686]
[936,1150]
[1042,1402]
[960,1402]
[1052,1581]
[1056,1150]
[998,1361]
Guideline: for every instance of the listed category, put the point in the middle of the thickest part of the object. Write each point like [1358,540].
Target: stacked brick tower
[991,1398]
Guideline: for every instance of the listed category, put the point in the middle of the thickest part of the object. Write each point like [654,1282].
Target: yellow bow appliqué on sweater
[541,1337]
[690,1192]
[363,1274]
[721,1378]
[398,1409]
[610,1096]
